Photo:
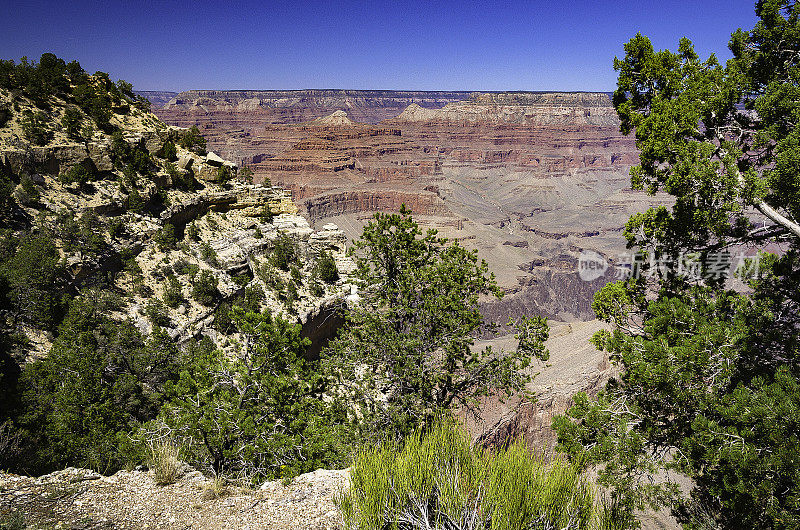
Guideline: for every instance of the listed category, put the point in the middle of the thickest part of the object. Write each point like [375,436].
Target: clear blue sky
[376,44]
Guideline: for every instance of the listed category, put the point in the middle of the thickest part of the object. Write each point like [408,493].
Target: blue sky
[445,45]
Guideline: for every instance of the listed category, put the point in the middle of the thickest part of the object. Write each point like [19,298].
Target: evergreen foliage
[35,126]
[100,378]
[414,330]
[72,121]
[193,140]
[325,268]
[284,252]
[709,385]
[258,416]
[204,288]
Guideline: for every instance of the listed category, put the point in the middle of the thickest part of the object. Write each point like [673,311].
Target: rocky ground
[82,499]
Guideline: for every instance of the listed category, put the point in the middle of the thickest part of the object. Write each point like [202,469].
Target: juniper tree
[406,352]
[709,382]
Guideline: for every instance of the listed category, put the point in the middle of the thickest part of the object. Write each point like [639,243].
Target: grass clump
[438,480]
[165,462]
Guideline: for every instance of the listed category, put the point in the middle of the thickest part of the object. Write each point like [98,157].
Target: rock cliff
[154,236]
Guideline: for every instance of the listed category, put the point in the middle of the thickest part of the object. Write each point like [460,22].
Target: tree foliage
[260,415]
[709,385]
[98,381]
[406,352]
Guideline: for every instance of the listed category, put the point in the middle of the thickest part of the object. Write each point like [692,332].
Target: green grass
[438,480]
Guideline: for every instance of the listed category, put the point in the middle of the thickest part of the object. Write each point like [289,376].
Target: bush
[193,140]
[260,414]
[116,227]
[204,288]
[439,478]
[224,174]
[208,254]
[168,151]
[28,193]
[316,289]
[135,201]
[164,462]
[193,232]
[100,377]
[325,269]
[76,174]
[157,313]
[246,174]
[181,267]
[165,238]
[5,115]
[36,128]
[266,215]
[72,121]
[284,253]
[296,275]
[173,294]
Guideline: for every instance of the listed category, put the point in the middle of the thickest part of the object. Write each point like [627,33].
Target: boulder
[213,159]
[185,162]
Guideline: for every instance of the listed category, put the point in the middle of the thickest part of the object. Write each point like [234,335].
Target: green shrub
[183,180]
[99,378]
[77,174]
[438,480]
[297,277]
[284,252]
[5,115]
[135,201]
[28,192]
[316,288]
[260,414]
[266,214]
[165,238]
[246,174]
[224,174]
[325,269]
[193,232]
[168,151]
[181,266]
[208,254]
[193,140]
[173,293]
[72,121]
[116,227]
[204,288]
[157,313]
[36,128]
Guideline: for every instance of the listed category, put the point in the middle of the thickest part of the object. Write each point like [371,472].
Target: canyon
[528,179]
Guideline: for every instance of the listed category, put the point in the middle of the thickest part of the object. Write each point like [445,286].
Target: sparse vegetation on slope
[108,280]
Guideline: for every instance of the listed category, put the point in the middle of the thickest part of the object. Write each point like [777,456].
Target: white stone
[214,159]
